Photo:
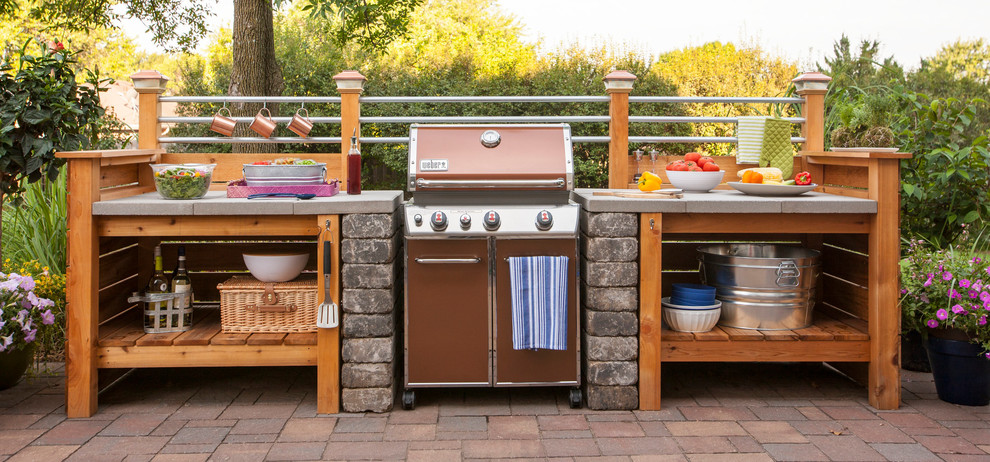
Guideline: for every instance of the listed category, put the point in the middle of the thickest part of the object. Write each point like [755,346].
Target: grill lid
[490,157]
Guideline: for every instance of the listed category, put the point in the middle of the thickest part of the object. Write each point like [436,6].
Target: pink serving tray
[239,188]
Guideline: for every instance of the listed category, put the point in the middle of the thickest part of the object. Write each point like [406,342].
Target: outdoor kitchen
[491,270]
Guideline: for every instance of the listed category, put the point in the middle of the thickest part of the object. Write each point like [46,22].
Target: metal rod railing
[484,99]
[250,99]
[698,119]
[714,99]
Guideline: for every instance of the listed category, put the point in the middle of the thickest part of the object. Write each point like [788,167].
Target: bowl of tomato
[694,173]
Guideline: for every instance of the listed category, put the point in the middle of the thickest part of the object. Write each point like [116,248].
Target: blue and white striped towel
[539,302]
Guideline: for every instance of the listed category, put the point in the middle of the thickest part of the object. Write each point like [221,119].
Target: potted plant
[864,121]
[946,296]
[22,315]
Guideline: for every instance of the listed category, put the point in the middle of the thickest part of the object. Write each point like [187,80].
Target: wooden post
[650,246]
[812,86]
[618,85]
[884,272]
[328,340]
[350,85]
[149,85]
[82,288]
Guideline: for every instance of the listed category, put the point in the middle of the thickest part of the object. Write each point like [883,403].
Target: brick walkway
[730,412]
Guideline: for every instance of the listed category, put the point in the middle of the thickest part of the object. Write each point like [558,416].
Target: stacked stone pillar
[372,278]
[610,275]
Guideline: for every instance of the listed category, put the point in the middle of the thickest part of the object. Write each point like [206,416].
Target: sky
[801,31]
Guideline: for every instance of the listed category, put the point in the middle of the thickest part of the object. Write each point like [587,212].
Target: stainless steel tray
[284,171]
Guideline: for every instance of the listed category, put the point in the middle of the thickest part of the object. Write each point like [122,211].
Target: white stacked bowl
[690,318]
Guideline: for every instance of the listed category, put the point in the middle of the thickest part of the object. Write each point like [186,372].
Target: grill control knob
[544,220]
[465,221]
[418,219]
[438,221]
[492,221]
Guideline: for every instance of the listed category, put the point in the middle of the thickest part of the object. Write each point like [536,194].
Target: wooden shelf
[832,337]
[202,346]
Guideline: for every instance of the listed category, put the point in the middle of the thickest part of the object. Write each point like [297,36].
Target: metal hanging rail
[484,99]
[250,99]
[715,99]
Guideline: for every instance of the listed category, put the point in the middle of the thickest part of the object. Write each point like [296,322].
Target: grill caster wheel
[575,398]
[408,400]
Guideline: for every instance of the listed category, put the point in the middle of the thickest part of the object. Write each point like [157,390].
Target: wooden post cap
[811,81]
[350,82]
[147,81]
[619,81]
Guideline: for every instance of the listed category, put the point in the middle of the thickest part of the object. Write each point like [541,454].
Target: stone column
[372,280]
[610,274]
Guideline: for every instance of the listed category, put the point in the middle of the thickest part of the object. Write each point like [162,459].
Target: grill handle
[436,261]
[558,183]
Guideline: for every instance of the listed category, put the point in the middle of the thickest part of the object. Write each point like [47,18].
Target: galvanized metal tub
[762,286]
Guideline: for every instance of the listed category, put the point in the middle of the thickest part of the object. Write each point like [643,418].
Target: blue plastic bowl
[691,301]
[681,288]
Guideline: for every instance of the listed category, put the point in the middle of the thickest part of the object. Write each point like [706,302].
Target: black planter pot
[960,370]
[913,354]
[13,364]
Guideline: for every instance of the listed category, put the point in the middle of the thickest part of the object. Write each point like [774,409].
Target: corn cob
[771,175]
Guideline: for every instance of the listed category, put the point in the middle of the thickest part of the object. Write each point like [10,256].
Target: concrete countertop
[723,201]
[217,203]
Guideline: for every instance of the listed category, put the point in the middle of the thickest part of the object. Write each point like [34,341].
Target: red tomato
[682,167]
[692,157]
[704,160]
[710,167]
[691,163]
[695,168]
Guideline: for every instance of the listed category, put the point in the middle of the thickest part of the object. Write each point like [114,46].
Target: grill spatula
[326,314]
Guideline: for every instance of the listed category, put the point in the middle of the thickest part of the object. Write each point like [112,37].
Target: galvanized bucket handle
[788,274]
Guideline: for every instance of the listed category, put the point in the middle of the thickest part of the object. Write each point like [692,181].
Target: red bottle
[354,168]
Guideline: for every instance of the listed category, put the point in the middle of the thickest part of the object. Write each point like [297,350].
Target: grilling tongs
[326,314]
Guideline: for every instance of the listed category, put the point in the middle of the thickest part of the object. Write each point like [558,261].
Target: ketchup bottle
[354,167]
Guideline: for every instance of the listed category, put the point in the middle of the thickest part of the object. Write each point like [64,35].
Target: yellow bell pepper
[649,182]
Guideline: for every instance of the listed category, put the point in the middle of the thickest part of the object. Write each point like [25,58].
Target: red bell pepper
[802,178]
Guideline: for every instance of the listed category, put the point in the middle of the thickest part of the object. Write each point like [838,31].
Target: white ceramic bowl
[691,320]
[665,301]
[275,267]
[695,181]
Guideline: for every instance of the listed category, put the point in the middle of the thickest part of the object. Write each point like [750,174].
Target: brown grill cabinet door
[527,366]
[447,313]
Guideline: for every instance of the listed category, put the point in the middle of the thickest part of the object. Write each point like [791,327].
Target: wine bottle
[157,285]
[182,287]
[354,167]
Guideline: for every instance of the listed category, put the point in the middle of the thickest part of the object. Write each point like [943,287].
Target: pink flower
[984,295]
[932,323]
[946,276]
[973,294]
[982,321]
[958,309]
[903,291]
[964,283]
[942,314]
[29,337]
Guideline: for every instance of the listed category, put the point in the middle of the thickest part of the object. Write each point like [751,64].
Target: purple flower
[958,309]
[27,283]
[929,281]
[973,294]
[982,321]
[946,276]
[985,296]
[21,316]
[953,294]
[6,341]
[932,323]
[48,318]
[977,260]
[942,314]
[903,291]
[964,283]
[978,285]
[29,336]
[9,285]
[988,269]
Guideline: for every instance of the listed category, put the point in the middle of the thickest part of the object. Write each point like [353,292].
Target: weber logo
[433,165]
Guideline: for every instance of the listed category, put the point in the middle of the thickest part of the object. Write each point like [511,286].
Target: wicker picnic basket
[249,305]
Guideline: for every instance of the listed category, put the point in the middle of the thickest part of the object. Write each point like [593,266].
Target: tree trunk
[254,71]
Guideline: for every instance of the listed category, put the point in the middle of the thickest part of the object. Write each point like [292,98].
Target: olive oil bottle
[157,285]
[182,287]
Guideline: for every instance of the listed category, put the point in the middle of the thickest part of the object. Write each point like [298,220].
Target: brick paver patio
[711,412]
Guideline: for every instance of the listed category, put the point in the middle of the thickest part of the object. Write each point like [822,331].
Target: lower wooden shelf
[832,337]
[123,343]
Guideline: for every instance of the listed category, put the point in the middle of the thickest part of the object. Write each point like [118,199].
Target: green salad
[179,182]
